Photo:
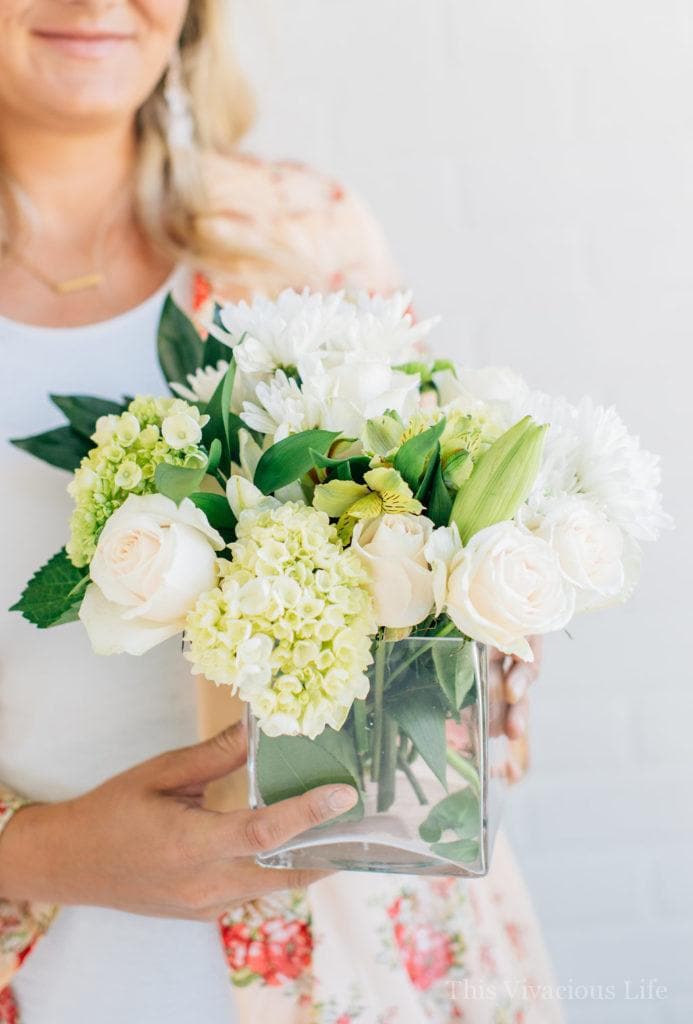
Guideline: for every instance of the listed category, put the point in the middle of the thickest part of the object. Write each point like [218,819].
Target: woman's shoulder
[311,229]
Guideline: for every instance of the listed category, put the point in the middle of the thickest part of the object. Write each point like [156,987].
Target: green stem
[404,765]
[447,628]
[378,689]
[464,768]
[360,728]
[388,764]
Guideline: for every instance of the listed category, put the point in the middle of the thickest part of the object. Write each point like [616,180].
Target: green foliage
[290,459]
[290,765]
[82,411]
[223,424]
[454,667]
[459,812]
[419,710]
[439,505]
[412,458]
[217,510]
[178,482]
[181,349]
[62,447]
[54,593]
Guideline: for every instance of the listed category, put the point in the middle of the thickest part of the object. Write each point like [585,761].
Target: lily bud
[501,480]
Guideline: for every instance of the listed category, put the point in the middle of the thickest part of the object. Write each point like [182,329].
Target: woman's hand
[512,677]
[143,842]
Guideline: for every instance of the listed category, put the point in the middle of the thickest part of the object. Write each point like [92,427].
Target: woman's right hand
[143,842]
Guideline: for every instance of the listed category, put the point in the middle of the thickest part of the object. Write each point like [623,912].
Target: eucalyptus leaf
[290,459]
[62,447]
[82,411]
[53,594]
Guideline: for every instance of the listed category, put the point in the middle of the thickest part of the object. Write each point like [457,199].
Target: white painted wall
[532,162]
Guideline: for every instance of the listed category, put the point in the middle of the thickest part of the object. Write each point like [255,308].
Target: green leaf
[413,456]
[463,851]
[54,593]
[180,348]
[459,812]
[454,666]
[179,345]
[219,412]
[178,482]
[83,411]
[351,468]
[429,475]
[290,459]
[287,766]
[440,502]
[419,710]
[215,453]
[217,510]
[62,447]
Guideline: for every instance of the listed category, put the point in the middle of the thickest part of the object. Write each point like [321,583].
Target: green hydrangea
[288,626]
[128,449]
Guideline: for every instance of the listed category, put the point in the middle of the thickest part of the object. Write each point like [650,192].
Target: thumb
[192,767]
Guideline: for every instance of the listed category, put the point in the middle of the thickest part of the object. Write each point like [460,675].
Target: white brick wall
[532,161]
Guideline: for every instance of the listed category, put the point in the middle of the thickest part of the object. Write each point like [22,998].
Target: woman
[118,183]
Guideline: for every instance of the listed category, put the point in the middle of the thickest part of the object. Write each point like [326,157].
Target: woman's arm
[143,842]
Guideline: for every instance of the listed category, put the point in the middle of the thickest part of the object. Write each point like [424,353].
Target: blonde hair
[170,183]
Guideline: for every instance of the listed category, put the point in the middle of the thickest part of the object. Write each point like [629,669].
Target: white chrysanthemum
[341,398]
[379,326]
[289,625]
[588,451]
[203,382]
[281,407]
[279,334]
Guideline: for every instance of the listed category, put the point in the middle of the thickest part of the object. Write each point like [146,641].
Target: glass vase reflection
[427,754]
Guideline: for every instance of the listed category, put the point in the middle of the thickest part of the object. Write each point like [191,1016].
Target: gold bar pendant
[78,284]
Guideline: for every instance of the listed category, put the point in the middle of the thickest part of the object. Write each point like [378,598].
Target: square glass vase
[426,751]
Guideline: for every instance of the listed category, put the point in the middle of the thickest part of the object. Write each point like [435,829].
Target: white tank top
[69,719]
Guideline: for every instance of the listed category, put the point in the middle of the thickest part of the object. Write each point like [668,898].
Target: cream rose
[590,548]
[506,585]
[153,560]
[391,548]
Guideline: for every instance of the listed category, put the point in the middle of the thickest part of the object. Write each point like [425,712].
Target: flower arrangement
[337,523]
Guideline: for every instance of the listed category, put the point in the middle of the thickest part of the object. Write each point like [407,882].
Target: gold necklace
[65,287]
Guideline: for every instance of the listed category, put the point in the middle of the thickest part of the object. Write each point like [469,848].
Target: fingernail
[517,685]
[342,798]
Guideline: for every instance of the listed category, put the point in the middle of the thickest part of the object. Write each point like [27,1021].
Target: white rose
[391,549]
[506,585]
[152,562]
[590,549]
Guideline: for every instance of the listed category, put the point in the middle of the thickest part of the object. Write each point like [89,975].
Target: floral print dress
[354,948]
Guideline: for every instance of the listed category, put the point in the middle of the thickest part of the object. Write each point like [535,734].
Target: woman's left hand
[515,677]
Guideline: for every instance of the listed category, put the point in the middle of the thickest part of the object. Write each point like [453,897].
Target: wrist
[29,844]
